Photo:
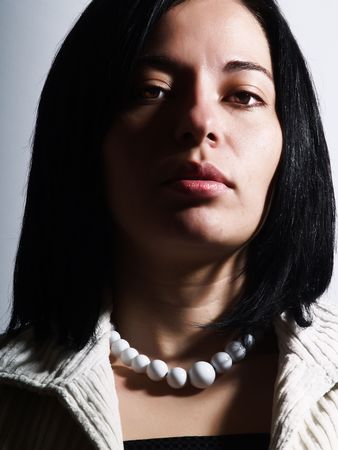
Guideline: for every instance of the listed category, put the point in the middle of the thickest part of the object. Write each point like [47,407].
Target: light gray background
[30,33]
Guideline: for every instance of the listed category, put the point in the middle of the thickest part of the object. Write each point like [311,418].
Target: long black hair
[65,252]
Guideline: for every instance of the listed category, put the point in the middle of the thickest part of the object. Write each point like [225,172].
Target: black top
[257,441]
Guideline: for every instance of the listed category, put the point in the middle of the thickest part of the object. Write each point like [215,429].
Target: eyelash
[150,88]
[258,100]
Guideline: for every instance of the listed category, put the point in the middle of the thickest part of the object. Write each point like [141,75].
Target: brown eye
[245,98]
[151,93]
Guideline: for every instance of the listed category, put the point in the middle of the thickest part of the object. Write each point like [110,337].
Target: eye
[245,98]
[151,92]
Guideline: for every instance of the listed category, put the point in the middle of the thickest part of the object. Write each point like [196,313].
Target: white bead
[114,336]
[118,346]
[236,350]
[249,341]
[202,374]
[139,363]
[127,355]
[157,370]
[221,361]
[177,377]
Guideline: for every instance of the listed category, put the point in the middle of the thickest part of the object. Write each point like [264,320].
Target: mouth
[197,180]
[192,170]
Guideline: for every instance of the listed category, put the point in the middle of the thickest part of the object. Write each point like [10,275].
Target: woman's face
[189,161]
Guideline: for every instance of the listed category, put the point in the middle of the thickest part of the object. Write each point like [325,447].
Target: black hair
[65,252]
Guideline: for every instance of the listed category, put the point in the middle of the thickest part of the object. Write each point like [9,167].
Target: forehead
[210,33]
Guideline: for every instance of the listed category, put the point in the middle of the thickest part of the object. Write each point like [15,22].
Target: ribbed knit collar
[83,380]
[308,368]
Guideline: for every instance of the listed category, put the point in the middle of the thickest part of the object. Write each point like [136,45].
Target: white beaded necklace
[201,374]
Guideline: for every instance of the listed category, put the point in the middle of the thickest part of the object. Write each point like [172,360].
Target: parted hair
[66,254]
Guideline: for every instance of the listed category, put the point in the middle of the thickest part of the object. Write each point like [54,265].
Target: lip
[191,170]
[197,180]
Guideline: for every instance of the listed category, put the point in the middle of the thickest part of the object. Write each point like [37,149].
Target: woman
[180,189]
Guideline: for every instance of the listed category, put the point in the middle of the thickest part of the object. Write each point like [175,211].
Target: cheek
[124,150]
[127,169]
[258,164]
[133,144]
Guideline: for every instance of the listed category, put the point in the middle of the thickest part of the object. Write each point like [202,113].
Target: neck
[158,306]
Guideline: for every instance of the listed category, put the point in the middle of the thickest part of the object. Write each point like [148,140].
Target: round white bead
[127,355]
[248,341]
[114,336]
[221,361]
[139,363]
[177,377]
[236,350]
[157,370]
[202,374]
[118,346]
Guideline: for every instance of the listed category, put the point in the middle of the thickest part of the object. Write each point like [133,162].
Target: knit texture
[35,424]
[57,400]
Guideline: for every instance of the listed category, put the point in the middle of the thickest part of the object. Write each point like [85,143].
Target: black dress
[257,441]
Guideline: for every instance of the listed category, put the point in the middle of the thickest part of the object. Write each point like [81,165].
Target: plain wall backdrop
[30,34]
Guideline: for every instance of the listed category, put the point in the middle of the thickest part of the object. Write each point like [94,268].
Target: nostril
[211,137]
[196,137]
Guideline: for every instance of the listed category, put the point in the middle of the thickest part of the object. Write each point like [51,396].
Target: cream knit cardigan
[53,400]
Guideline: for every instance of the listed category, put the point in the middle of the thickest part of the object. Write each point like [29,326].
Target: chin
[203,237]
[210,226]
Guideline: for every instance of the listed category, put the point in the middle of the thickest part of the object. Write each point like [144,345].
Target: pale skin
[181,263]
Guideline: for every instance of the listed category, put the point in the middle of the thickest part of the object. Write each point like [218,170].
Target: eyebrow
[236,66]
[173,65]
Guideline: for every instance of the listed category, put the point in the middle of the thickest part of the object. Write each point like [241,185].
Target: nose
[198,123]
